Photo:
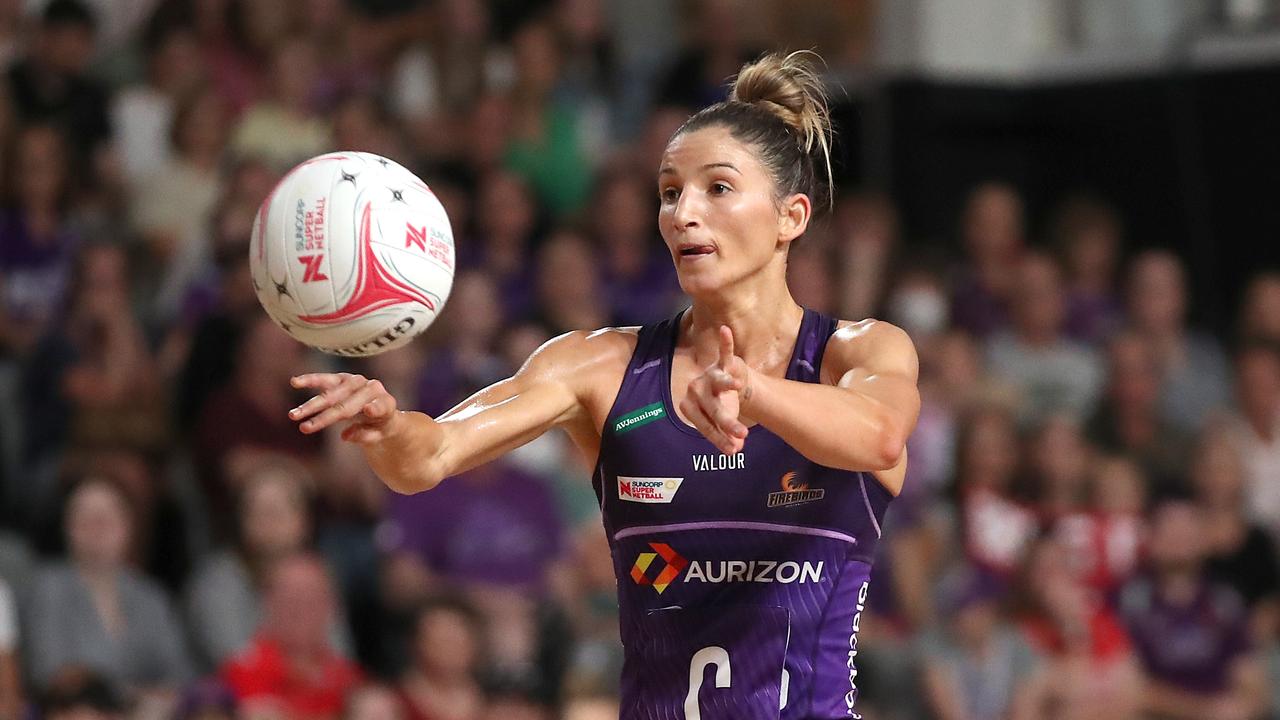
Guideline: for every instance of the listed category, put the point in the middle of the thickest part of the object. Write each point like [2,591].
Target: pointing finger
[726,346]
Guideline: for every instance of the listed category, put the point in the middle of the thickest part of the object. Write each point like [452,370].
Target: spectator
[285,128]
[867,239]
[92,609]
[39,245]
[250,415]
[978,666]
[495,533]
[996,527]
[546,146]
[10,669]
[143,113]
[1192,370]
[713,52]
[1059,463]
[1104,540]
[576,305]
[173,203]
[216,313]
[51,85]
[636,270]
[1051,373]
[1090,657]
[993,236]
[1088,236]
[465,360]
[291,667]
[1192,634]
[1128,420]
[1254,428]
[223,598]
[92,380]
[441,681]
[586,591]
[507,229]
[1240,553]
[1260,311]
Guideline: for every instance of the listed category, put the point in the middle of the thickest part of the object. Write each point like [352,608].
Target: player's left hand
[714,398]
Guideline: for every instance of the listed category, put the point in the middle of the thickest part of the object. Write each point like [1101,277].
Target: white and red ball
[352,254]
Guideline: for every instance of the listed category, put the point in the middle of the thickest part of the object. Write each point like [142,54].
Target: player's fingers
[380,407]
[361,434]
[349,405]
[725,421]
[726,347]
[705,425]
[724,381]
[328,395]
[316,381]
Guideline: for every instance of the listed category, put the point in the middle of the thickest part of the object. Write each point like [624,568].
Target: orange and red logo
[674,565]
[794,492]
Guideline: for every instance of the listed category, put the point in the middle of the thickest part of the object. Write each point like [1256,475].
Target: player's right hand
[368,406]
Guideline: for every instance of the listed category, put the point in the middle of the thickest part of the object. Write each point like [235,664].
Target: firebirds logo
[721,571]
[794,492]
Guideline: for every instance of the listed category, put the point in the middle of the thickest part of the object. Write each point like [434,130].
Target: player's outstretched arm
[412,452]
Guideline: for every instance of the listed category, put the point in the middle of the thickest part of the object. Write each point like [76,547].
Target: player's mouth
[693,251]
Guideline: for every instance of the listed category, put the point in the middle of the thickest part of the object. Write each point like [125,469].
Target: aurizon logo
[721,571]
[675,563]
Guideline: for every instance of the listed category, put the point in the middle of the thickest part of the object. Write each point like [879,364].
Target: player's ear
[794,216]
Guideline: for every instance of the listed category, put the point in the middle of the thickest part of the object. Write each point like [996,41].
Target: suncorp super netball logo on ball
[674,567]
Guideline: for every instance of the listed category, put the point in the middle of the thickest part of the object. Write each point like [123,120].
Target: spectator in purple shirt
[37,247]
[493,526]
[993,238]
[637,279]
[1192,635]
[1088,235]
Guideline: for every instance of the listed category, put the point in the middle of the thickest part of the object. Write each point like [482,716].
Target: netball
[352,254]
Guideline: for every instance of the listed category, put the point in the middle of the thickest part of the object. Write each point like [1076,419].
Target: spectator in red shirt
[1089,654]
[291,669]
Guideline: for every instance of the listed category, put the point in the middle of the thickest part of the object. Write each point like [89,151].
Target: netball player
[745,449]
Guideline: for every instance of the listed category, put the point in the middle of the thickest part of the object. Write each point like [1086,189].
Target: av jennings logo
[794,492]
[720,571]
[639,418]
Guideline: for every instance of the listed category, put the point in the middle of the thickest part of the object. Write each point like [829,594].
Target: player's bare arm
[563,384]
[857,419]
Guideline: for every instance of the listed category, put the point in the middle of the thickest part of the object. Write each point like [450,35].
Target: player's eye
[719,188]
[669,195]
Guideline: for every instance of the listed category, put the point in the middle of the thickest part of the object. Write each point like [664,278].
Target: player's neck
[764,327]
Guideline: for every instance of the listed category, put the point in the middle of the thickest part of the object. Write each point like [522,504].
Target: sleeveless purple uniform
[741,579]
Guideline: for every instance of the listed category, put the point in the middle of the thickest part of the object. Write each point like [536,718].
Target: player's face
[718,214]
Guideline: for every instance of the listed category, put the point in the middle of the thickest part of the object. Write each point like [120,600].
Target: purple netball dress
[741,578]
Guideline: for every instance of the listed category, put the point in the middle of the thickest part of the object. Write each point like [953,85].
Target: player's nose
[688,212]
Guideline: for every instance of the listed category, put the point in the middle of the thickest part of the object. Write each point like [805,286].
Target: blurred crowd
[1090,519]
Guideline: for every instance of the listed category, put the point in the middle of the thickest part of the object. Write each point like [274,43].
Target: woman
[223,599]
[441,683]
[747,428]
[94,610]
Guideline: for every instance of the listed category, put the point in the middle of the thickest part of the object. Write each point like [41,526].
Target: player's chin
[699,281]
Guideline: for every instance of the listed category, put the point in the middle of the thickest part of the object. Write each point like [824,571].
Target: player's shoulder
[585,351]
[872,343]
[869,331]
